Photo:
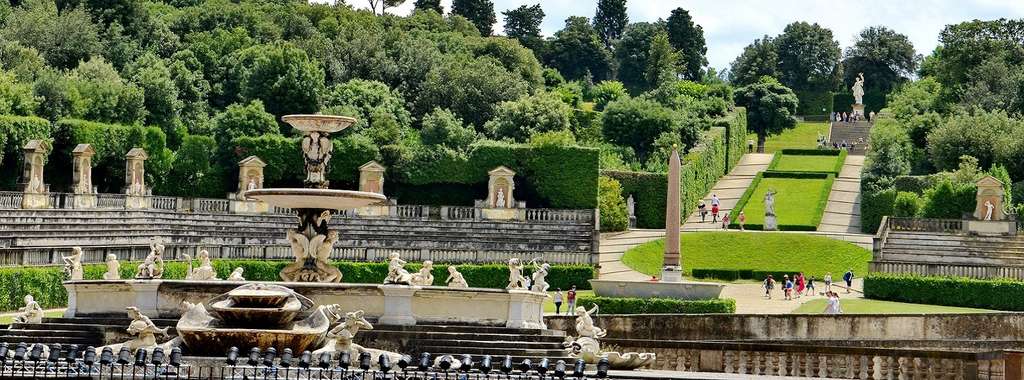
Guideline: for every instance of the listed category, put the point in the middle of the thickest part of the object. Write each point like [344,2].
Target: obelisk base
[671,274]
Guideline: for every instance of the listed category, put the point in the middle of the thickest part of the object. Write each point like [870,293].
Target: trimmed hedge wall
[997,294]
[841,153]
[45,283]
[735,137]
[111,142]
[814,102]
[608,305]
[738,274]
[15,131]
[650,202]
[819,208]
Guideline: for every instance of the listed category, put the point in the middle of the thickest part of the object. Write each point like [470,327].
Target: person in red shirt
[714,213]
[570,296]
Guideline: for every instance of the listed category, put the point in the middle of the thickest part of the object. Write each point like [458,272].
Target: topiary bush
[998,294]
[609,305]
[907,204]
[613,207]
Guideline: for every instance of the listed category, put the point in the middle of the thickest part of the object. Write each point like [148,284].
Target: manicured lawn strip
[800,200]
[789,163]
[866,306]
[803,136]
[813,255]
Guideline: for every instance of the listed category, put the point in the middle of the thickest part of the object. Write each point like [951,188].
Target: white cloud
[729,25]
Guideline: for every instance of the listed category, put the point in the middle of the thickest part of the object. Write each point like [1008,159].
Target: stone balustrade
[11,199]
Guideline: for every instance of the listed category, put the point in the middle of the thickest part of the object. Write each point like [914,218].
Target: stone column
[500,203]
[250,177]
[135,179]
[36,193]
[81,158]
[672,271]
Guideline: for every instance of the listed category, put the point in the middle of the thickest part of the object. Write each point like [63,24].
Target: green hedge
[735,137]
[44,283]
[608,305]
[111,142]
[819,208]
[814,102]
[874,204]
[15,131]
[874,101]
[739,274]
[649,201]
[997,294]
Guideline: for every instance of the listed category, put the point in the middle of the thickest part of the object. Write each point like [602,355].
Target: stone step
[455,328]
[424,335]
[489,344]
[493,351]
[17,331]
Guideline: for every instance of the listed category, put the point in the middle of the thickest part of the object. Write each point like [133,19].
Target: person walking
[832,305]
[787,288]
[714,213]
[703,210]
[571,297]
[558,301]
[715,201]
[810,286]
[742,219]
[848,277]
[768,285]
[725,221]
[799,284]
[828,282]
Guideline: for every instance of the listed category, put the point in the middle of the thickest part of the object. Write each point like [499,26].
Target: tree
[662,61]
[974,134]
[770,108]
[63,38]
[103,96]
[606,92]
[577,49]
[886,58]
[15,98]
[610,20]
[891,150]
[434,5]
[523,24]
[687,39]
[959,62]
[281,76]
[633,52]
[442,127]
[613,208]
[519,119]
[243,120]
[363,99]
[759,59]
[193,165]
[470,88]
[636,123]
[160,95]
[808,57]
[479,12]
[383,5]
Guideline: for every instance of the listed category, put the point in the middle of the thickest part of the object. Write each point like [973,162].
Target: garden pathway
[842,213]
[730,188]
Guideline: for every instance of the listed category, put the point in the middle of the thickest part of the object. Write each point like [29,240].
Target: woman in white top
[832,307]
[558,301]
[828,282]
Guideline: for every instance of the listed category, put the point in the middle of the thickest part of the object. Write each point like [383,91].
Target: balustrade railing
[460,213]
[11,199]
[213,206]
[164,203]
[555,215]
[925,225]
[110,200]
[412,211]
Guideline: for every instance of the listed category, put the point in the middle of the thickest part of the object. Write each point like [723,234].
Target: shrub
[637,122]
[874,204]
[998,294]
[814,102]
[742,274]
[648,190]
[609,305]
[614,215]
[194,165]
[946,200]
[15,131]
[606,92]
[520,118]
[442,127]
[907,204]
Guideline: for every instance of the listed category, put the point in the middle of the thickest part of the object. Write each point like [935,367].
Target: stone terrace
[941,247]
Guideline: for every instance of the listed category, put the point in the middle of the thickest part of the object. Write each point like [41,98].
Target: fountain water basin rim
[319,123]
[326,199]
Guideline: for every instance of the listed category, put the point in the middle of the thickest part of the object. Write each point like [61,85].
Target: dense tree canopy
[886,58]
[577,49]
[479,12]
[760,58]
[808,57]
[610,20]
[688,39]
[633,52]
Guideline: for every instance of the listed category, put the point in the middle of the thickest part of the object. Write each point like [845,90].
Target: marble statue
[515,275]
[587,347]
[252,184]
[455,279]
[340,338]
[30,313]
[316,148]
[84,185]
[35,182]
[73,264]
[540,273]
[423,277]
[113,268]
[153,266]
[138,186]
[144,329]
[205,270]
[312,248]
[630,206]
[396,271]
[988,210]
[769,203]
[236,275]
[858,89]
[500,203]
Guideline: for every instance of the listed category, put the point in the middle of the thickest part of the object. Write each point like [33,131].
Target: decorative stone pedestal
[137,201]
[84,201]
[500,213]
[858,109]
[35,201]
[398,305]
[991,227]
[672,274]
[770,224]
[248,207]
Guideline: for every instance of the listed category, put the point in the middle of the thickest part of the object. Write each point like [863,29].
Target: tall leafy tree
[808,57]
[523,24]
[383,5]
[632,53]
[662,61]
[577,49]
[479,12]
[770,108]
[688,39]
[758,59]
[886,58]
[981,63]
[282,76]
[434,5]
[64,38]
[610,20]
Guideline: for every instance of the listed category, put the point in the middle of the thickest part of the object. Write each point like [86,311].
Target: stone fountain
[312,241]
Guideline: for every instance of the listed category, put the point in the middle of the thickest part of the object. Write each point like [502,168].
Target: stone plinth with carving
[250,177]
[36,193]
[81,184]
[135,179]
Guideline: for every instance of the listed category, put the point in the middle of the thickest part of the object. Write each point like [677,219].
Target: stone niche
[371,180]
[84,193]
[250,177]
[36,192]
[500,203]
[989,217]
[135,179]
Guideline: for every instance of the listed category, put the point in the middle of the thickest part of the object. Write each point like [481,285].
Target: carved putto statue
[586,346]
[153,266]
[144,330]
[236,275]
[396,271]
[339,339]
[455,279]
[316,148]
[540,273]
[113,268]
[205,270]
[515,275]
[312,246]
[858,89]
[73,264]
[30,313]
[423,277]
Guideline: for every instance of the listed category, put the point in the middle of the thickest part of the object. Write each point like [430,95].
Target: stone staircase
[957,249]
[851,133]
[83,331]
[477,341]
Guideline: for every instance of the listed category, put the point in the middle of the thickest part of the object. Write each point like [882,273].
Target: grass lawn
[799,163]
[813,255]
[866,306]
[549,305]
[796,201]
[7,319]
[803,136]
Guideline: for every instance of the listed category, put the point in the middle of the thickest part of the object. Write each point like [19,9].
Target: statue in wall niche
[30,313]
[587,347]
[540,274]
[137,187]
[153,266]
[35,182]
[515,275]
[500,199]
[317,152]
[858,89]
[252,184]
[205,270]
[396,271]
[423,277]
[73,264]
[339,339]
[236,275]
[84,185]
[988,210]
[455,279]
[113,268]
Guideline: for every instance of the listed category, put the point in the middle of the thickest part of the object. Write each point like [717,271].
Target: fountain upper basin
[327,199]
[318,123]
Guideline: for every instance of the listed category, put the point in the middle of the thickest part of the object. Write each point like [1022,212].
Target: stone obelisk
[671,271]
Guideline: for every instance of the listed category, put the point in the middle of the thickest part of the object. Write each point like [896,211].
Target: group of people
[823,143]
[799,285]
[570,296]
[702,209]
[849,117]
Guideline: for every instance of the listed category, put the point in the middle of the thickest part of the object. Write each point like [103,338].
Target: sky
[730,25]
